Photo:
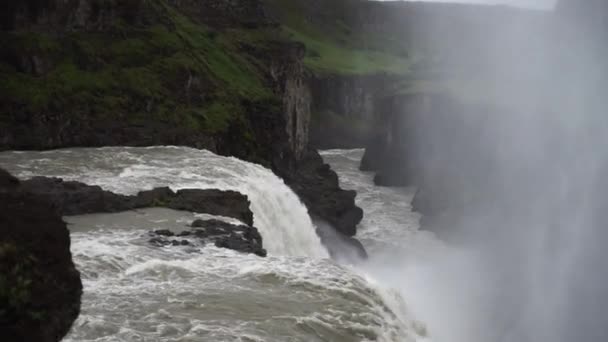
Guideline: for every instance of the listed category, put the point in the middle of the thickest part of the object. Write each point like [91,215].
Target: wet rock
[164,232]
[241,238]
[75,198]
[40,288]
[8,181]
[158,242]
[214,202]
[339,246]
[318,188]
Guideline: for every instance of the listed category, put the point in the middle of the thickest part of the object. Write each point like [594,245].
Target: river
[136,292]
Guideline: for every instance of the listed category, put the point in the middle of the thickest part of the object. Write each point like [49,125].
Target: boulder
[40,288]
[318,188]
[241,238]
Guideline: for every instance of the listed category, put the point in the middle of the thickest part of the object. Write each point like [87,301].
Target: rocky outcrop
[40,288]
[393,152]
[75,198]
[318,188]
[302,167]
[241,238]
[431,141]
[344,108]
[289,76]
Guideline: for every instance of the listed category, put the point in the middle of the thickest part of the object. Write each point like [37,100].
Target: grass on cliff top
[139,72]
[327,56]
[336,48]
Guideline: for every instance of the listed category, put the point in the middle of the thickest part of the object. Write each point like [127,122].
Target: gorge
[272,170]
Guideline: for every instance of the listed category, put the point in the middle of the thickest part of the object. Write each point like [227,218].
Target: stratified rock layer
[75,198]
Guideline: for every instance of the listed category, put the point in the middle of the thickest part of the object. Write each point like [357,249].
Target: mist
[521,176]
[537,4]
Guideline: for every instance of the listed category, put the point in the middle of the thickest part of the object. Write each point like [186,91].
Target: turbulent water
[136,292]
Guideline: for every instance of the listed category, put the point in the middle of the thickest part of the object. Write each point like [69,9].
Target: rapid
[137,292]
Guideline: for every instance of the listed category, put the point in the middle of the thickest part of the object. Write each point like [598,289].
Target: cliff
[219,75]
[455,136]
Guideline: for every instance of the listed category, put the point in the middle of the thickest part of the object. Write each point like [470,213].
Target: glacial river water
[136,292]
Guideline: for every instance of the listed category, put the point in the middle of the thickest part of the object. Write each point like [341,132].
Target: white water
[281,218]
[437,281]
[137,292]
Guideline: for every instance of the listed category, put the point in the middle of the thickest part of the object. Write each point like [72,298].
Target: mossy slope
[336,44]
[164,67]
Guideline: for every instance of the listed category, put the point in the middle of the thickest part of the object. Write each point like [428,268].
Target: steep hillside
[129,72]
[216,74]
[360,54]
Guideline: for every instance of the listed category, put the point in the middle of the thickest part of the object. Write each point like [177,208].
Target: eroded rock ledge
[241,238]
[40,288]
[75,198]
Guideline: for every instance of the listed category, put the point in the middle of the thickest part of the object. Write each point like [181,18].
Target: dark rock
[7,181]
[214,202]
[241,238]
[40,288]
[164,232]
[75,198]
[344,108]
[239,245]
[159,242]
[318,188]
[339,246]
[395,177]
[180,243]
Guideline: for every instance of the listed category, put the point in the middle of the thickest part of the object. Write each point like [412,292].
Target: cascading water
[137,292]
[282,219]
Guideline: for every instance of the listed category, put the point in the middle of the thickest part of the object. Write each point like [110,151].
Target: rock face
[40,288]
[344,108]
[318,187]
[160,72]
[303,168]
[431,141]
[75,198]
[289,77]
[241,238]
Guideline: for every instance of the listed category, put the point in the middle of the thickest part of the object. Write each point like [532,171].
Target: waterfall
[281,218]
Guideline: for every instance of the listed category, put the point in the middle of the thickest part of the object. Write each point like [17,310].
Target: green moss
[16,279]
[336,47]
[216,116]
[216,53]
[325,56]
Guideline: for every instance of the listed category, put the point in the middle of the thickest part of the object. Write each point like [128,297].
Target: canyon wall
[218,75]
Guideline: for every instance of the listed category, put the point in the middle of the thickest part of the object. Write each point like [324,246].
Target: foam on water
[282,219]
[389,221]
[136,292]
